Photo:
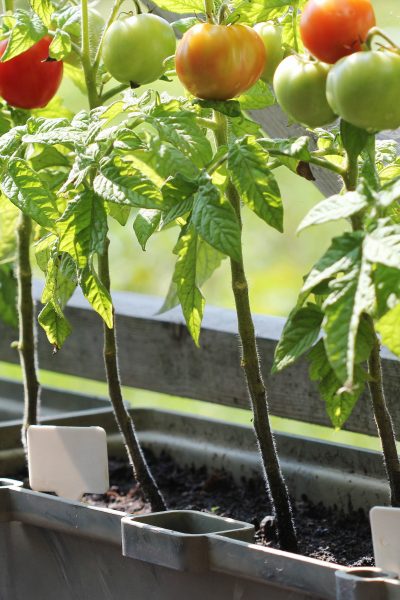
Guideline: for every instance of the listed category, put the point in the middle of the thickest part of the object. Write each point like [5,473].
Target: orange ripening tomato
[332,29]
[219,62]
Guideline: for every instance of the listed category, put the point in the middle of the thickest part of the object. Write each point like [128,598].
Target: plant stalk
[26,317]
[383,419]
[276,487]
[125,423]
[123,418]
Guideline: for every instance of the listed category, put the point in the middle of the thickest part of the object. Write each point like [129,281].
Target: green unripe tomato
[271,36]
[135,48]
[300,89]
[364,89]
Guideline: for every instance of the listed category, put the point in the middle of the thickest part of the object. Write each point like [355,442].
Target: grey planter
[48,544]
[53,548]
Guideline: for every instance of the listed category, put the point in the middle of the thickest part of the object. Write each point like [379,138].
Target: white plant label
[69,461]
[385,526]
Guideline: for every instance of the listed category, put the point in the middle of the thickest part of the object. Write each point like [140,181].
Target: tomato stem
[383,419]
[26,318]
[294,25]
[376,31]
[111,18]
[209,8]
[113,92]
[275,483]
[124,421]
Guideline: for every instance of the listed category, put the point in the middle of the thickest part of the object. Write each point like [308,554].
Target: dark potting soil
[324,533]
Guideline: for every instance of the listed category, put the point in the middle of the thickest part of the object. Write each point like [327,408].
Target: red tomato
[218,62]
[27,80]
[332,29]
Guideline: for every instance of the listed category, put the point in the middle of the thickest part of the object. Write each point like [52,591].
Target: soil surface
[327,534]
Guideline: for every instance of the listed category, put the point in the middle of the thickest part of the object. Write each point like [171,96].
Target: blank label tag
[385,526]
[69,461]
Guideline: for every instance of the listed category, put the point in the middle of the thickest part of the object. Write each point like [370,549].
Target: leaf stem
[26,317]
[209,8]
[113,92]
[112,16]
[276,487]
[125,423]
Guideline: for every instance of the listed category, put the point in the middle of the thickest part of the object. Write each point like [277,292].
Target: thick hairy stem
[124,421]
[27,342]
[384,422]
[382,416]
[276,486]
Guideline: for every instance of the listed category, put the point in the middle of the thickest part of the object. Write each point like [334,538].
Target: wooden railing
[156,353]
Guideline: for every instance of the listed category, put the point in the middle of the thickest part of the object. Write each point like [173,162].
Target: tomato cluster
[30,80]
[351,77]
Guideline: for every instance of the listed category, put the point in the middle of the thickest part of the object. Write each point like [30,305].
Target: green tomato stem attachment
[223,13]
[375,32]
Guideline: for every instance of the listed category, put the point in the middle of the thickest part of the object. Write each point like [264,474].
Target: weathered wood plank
[157,354]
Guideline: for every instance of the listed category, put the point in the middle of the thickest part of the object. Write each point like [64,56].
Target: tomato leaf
[83,227]
[97,295]
[257,97]
[44,9]
[231,108]
[145,224]
[336,207]
[254,181]
[124,184]
[389,328]
[24,188]
[300,333]
[8,295]
[27,29]
[60,47]
[55,325]
[215,220]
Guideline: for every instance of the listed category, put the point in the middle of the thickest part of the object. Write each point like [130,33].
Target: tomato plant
[135,48]
[218,62]
[331,29]
[30,80]
[364,89]
[271,36]
[300,88]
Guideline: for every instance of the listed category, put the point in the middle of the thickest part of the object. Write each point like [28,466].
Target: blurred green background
[275,263]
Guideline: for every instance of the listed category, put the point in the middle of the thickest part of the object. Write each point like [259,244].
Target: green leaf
[60,277]
[389,328]
[83,227]
[8,295]
[60,47]
[145,224]
[190,297]
[27,29]
[24,188]
[383,245]
[44,9]
[257,97]
[182,131]
[182,25]
[247,163]
[387,288]
[124,184]
[300,333]
[48,156]
[207,261]
[215,220]
[75,74]
[292,147]
[230,108]
[8,223]
[389,194]
[339,206]
[342,255]
[352,295]
[182,6]
[98,296]
[339,402]
[55,325]
[118,212]
[354,140]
